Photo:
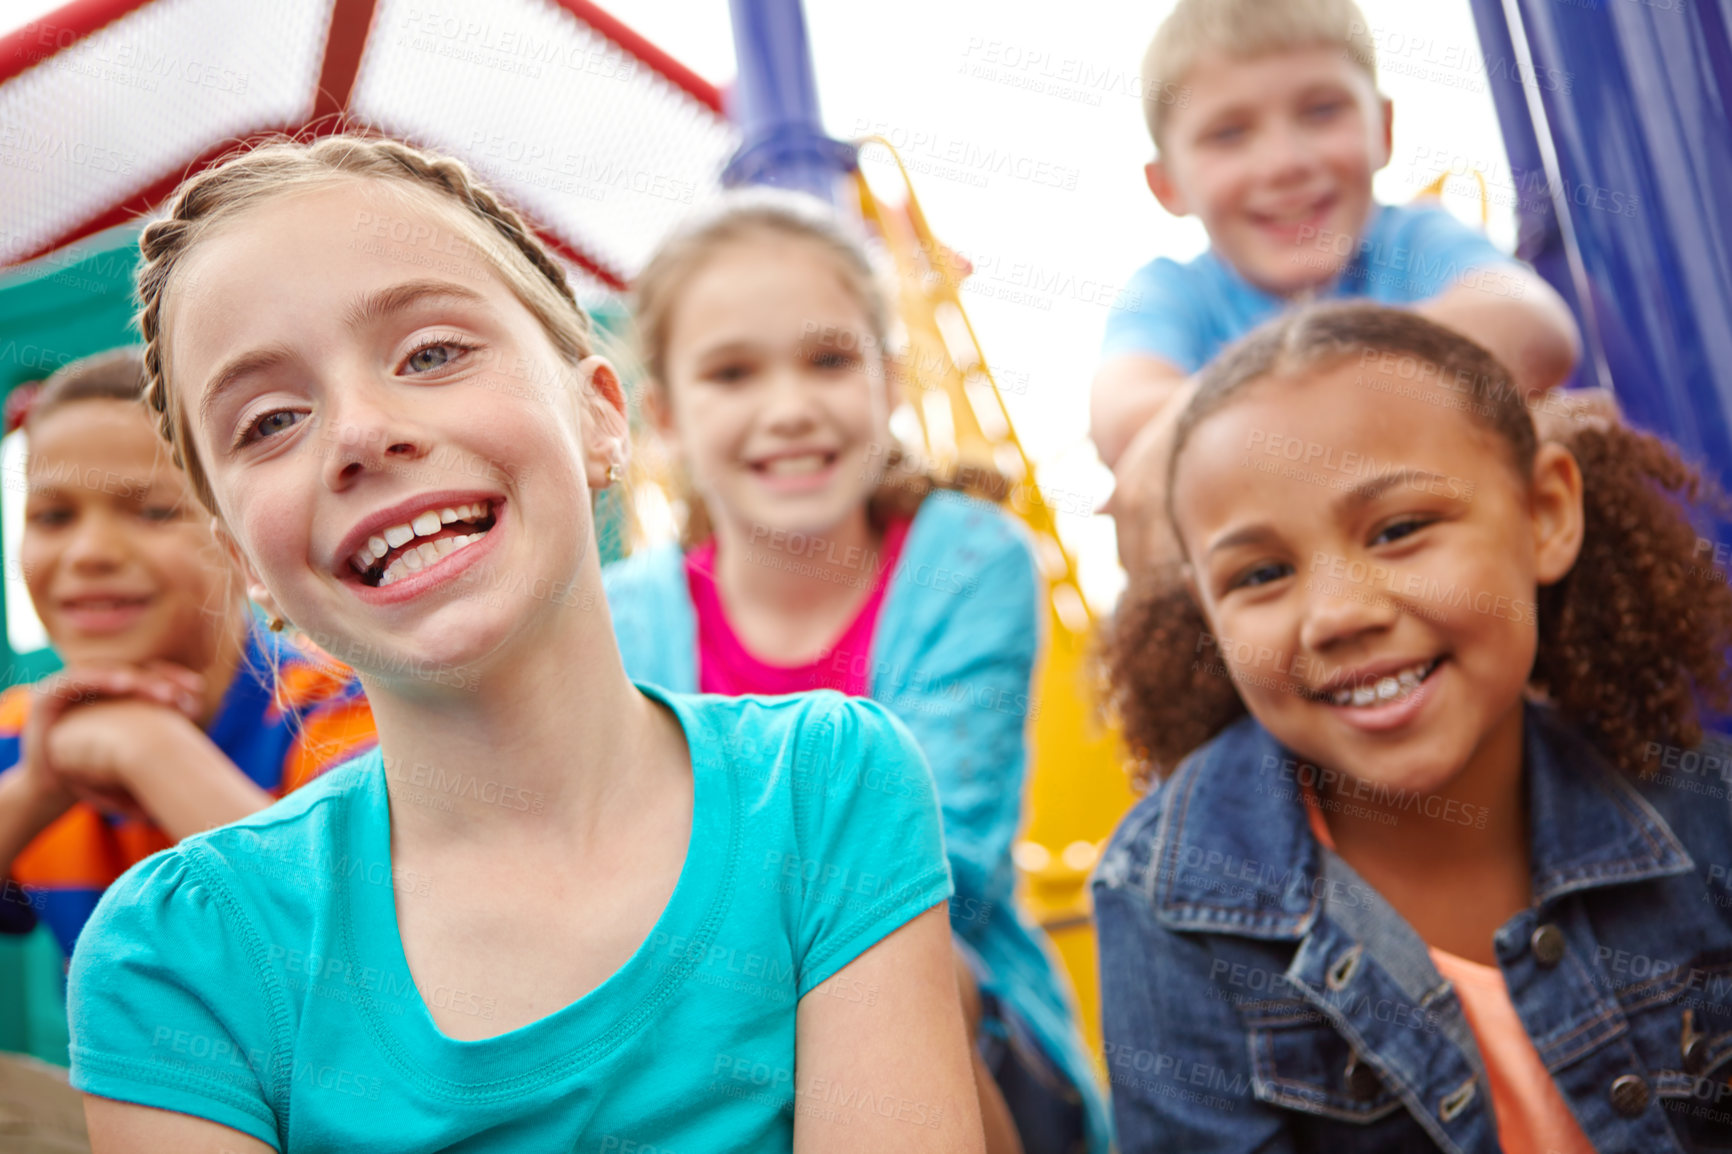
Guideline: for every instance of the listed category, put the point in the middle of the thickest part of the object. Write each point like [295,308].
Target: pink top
[727,667]
[1532,1116]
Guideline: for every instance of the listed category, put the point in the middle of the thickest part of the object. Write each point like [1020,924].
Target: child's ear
[1556,511]
[1165,188]
[895,380]
[1188,574]
[606,440]
[1386,134]
[657,408]
[256,591]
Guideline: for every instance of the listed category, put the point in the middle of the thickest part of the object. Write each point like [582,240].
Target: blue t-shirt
[254,975]
[1186,313]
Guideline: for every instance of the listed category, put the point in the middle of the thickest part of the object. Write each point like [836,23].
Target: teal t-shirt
[253,975]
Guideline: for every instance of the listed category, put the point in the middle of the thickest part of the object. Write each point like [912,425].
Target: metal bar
[1630,101]
[775,104]
[158,191]
[26,47]
[660,62]
[345,41]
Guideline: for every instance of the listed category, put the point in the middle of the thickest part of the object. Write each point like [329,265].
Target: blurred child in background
[1412,707]
[815,557]
[175,711]
[1268,128]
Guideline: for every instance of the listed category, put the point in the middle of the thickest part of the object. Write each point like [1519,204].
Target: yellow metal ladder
[1077,788]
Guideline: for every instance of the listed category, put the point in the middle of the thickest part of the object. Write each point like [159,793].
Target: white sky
[1056,83]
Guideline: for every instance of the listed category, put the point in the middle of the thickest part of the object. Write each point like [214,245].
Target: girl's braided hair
[280,166]
[1632,641]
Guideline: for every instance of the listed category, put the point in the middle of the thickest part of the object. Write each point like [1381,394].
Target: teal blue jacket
[953,657]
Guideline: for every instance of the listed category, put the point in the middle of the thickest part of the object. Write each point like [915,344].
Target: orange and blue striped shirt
[281,736]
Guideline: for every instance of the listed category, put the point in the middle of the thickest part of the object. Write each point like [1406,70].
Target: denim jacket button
[1693,1045]
[1343,970]
[1629,1095]
[1548,945]
[1361,1079]
[1456,1101]
[1696,1054]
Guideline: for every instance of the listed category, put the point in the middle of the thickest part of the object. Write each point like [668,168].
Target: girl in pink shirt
[813,557]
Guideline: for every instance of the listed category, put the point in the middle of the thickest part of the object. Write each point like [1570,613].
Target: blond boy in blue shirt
[1268,127]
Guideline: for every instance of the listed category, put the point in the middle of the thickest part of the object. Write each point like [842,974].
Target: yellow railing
[1436,187]
[1077,788]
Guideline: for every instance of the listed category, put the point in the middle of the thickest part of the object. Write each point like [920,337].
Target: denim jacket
[1259,996]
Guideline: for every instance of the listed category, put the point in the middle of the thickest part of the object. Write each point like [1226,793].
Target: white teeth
[1387,688]
[425,554]
[422,554]
[810,463]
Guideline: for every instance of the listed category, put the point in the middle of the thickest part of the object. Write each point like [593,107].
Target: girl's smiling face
[1368,564]
[390,435]
[777,398]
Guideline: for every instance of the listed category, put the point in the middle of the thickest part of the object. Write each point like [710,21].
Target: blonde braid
[455,178]
[251,176]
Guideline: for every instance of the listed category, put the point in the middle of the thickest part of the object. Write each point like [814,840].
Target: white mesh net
[99,120]
[597,146]
[586,138]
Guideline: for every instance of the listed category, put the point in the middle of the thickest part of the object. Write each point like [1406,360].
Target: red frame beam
[345,43]
[26,47]
[681,77]
[157,192]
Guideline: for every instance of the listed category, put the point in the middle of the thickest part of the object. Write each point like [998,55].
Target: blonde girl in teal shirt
[555,912]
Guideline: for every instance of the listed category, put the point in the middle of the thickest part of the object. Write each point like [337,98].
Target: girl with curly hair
[1438,855]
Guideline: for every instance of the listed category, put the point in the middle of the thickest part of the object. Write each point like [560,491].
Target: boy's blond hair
[1240,30]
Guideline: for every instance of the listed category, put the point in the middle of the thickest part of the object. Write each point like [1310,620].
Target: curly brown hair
[1632,641]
